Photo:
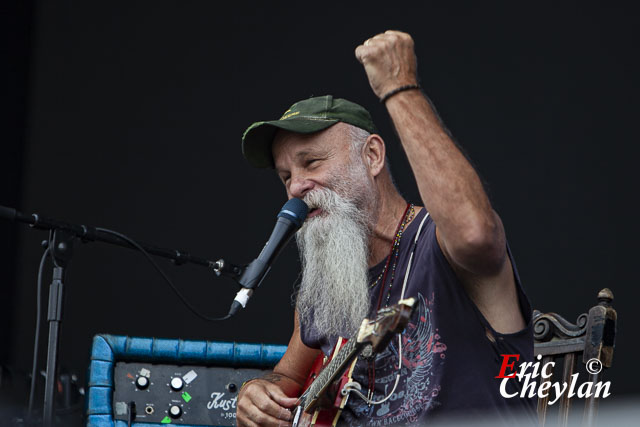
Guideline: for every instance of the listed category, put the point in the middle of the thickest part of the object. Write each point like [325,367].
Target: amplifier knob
[175,411]
[176,384]
[142,382]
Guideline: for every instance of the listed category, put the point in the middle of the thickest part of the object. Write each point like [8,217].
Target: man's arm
[265,401]
[469,231]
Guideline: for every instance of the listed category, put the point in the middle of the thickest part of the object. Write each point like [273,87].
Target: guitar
[325,393]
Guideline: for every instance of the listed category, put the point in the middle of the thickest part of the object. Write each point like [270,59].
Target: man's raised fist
[389,61]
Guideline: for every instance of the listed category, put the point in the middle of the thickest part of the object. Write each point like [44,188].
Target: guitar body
[329,410]
[322,402]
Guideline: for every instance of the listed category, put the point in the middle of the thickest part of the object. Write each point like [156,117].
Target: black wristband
[398,90]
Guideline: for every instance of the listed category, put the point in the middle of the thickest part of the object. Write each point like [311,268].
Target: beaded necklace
[407,216]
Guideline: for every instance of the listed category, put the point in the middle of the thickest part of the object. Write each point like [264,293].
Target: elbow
[482,247]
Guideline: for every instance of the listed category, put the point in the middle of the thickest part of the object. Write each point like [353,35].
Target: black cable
[132,413]
[36,343]
[162,273]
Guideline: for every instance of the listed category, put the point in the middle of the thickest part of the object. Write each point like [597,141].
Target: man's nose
[300,187]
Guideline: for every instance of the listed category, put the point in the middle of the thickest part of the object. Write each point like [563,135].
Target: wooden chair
[592,337]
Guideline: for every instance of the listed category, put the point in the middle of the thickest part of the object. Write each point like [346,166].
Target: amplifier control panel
[178,394]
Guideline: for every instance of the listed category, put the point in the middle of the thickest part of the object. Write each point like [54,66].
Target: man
[355,248]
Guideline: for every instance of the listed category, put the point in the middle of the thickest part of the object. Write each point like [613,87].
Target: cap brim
[257,139]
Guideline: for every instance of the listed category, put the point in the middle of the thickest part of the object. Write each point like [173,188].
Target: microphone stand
[61,241]
[61,247]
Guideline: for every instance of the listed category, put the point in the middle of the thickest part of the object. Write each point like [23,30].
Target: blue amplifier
[147,382]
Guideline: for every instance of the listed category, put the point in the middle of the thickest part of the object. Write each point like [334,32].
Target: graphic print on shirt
[418,388]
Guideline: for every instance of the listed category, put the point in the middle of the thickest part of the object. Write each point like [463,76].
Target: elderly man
[355,247]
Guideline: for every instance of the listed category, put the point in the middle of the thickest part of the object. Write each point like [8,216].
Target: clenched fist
[389,61]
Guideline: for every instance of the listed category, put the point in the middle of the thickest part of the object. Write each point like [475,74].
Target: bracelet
[398,90]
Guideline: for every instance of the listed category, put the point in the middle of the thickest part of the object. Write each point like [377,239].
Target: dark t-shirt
[449,361]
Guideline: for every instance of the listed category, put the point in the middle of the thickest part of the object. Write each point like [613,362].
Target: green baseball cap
[307,116]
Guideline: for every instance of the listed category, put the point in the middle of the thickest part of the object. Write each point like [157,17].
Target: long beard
[334,292]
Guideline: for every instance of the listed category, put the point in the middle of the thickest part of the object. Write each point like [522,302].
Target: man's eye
[312,161]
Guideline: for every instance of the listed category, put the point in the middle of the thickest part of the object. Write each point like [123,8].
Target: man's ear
[374,154]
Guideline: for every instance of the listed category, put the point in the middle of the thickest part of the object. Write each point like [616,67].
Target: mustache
[331,202]
[321,198]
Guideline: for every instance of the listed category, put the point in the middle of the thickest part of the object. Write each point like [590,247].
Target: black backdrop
[135,112]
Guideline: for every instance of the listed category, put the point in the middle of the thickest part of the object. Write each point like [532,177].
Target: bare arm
[297,361]
[469,231]
[265,401]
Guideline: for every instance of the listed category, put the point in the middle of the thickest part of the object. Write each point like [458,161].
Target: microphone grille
[295,210]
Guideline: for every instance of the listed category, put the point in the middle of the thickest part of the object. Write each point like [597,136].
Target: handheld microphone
[290,219]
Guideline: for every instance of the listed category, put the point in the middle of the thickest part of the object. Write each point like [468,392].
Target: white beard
[334,293]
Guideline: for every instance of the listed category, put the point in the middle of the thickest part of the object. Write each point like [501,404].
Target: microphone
[290,219]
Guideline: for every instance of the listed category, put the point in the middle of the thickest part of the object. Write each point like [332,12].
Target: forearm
[447,183]
[291,371]
[289,386]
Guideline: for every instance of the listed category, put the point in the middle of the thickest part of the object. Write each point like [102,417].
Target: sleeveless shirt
[449,360]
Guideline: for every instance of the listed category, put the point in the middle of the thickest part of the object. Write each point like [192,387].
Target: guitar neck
[331,373]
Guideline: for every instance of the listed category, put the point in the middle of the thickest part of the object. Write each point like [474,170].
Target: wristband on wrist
[398,90]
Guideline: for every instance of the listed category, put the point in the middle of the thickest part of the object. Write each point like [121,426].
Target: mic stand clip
[222,267]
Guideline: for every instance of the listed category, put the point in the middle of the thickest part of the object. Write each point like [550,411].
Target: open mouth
[313,212]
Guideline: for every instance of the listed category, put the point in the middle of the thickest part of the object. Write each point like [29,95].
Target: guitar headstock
[388,322]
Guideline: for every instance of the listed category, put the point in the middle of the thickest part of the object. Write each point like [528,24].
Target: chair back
[590,341]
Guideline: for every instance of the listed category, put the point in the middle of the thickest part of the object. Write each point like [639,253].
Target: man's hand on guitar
[263,403]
